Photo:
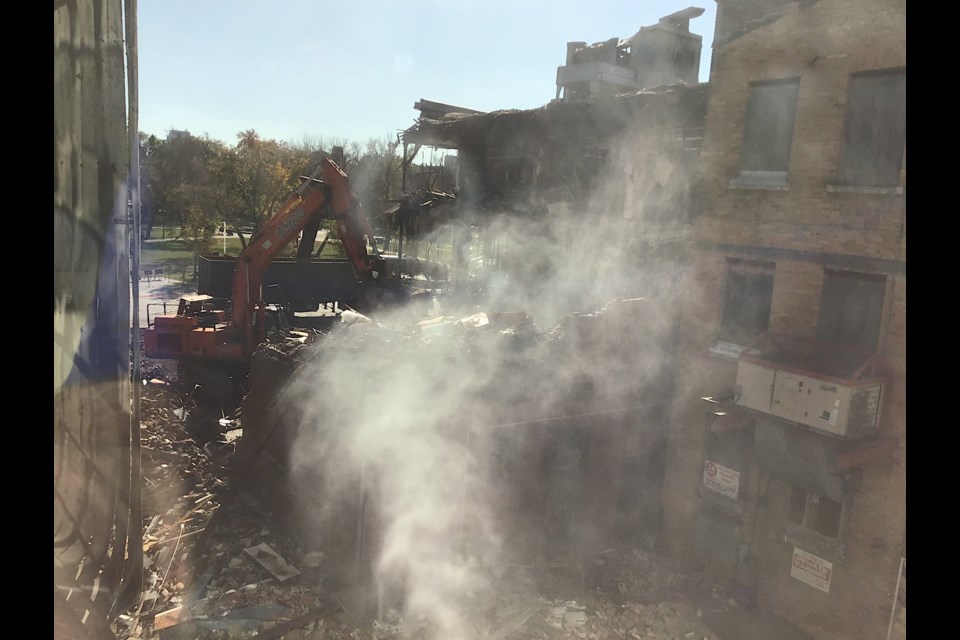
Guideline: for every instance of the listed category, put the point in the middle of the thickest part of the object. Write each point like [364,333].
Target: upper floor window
[851,307]
[746,300]
[768,130]
[876,129]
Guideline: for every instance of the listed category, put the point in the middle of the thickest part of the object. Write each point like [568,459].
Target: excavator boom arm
[305,205]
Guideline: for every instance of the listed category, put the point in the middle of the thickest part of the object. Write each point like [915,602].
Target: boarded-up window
[876,129]
[746,300]
[768,131]
[851,307]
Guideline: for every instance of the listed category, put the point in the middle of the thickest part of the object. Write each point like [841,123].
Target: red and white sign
[721,479]
[811,569]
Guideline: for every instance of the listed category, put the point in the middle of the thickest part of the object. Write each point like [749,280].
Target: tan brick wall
[861,588]
[796,298]
[862,585]
[821,43]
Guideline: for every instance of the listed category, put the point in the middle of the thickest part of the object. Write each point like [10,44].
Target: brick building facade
[799,231]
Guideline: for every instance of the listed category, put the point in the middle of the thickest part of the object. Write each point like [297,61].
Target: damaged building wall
[667,53]
[94,488]
[566,145]
[629,156]
[662,54]
[805,237]
[620,167]
[737,17]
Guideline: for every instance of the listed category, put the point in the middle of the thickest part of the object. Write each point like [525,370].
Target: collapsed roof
[567,121]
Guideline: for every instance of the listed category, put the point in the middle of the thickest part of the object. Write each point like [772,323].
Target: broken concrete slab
[272,561]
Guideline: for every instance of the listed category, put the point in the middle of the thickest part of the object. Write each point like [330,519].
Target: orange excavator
[201,332]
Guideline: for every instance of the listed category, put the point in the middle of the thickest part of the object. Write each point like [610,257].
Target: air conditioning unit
[834,389]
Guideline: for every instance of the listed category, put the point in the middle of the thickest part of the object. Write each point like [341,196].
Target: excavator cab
[191,305]
[203,308]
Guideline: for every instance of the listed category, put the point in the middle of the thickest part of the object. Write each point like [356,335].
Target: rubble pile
[220,564]
[213,566]
[181,491]
[566,600]
[617,593]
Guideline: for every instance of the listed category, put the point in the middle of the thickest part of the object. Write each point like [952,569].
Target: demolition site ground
[223,561]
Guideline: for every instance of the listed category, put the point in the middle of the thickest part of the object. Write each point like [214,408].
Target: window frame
[811,513]
[850,174]
[838,276]
[743,268]
[754,169]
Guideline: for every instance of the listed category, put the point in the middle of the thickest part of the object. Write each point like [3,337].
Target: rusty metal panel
[93,481]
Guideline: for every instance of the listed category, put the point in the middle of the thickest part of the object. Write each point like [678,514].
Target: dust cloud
[405,414]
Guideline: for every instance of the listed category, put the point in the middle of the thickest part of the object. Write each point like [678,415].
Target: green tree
[148,205]
[253,179]
[198,229]
[196,183]
[180,177]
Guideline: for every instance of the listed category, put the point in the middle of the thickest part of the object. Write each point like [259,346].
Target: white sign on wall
[813,570]
[721,479]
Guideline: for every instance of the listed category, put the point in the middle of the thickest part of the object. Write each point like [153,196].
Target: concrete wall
[804,229]
[95,487]
[663,54]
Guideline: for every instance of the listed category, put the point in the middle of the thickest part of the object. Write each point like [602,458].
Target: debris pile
[560,601]
[214,567]
[219,564]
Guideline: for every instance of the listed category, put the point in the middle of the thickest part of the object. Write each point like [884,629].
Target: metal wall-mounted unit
[834,389]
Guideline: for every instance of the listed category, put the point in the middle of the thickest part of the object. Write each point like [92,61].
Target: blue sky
[353,69]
